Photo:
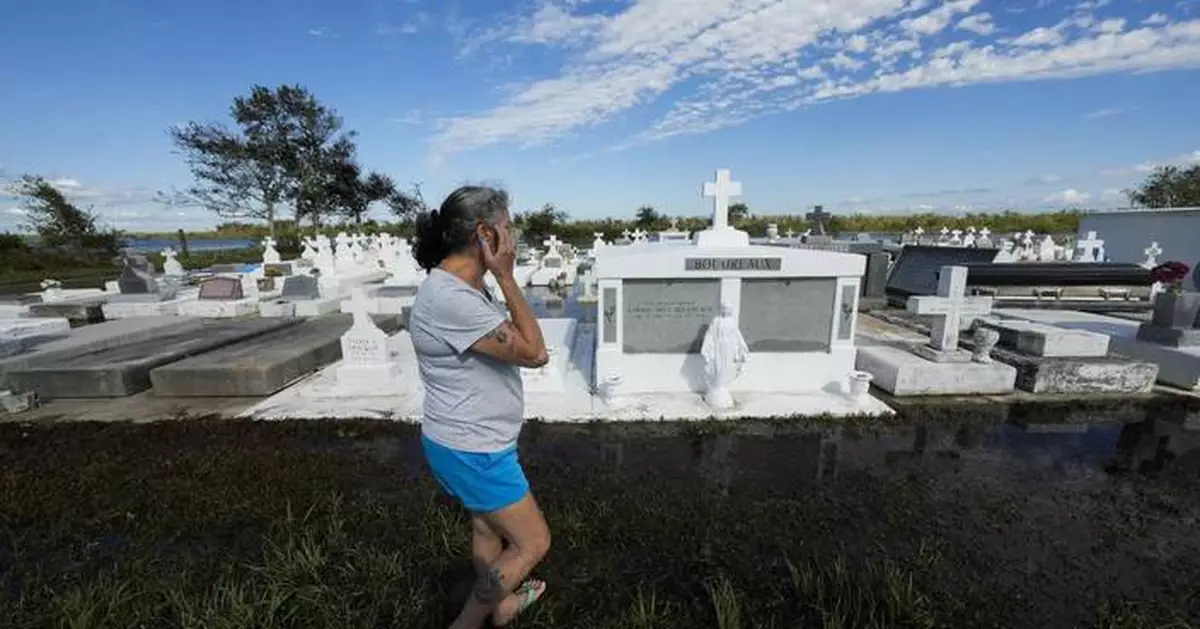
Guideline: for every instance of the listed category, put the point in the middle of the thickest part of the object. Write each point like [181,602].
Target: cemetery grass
[208,523]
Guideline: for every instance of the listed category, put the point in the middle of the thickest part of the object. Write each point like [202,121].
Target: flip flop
[527,594]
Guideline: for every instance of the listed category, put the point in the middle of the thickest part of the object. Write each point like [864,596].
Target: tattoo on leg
[489,587]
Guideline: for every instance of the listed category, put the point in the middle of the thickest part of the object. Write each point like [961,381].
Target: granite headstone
[300,288]
[916,270]
[668,316]
[221,289]
[787,315]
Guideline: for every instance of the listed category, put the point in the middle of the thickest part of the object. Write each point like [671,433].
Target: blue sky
[601,106]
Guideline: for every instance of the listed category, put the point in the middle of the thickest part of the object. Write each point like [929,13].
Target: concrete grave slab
[1038,339]
[79,312]
[90,338]
[1104,374]
[125,369]
[902,373]
[262,365]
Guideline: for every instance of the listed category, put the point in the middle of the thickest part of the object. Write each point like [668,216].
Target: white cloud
[1111,194]
[66,183]
[1156,19]
[318,32]
[15,211]
[1104,113]
[937,19]
[1040,36]
[742,60]
[980,24]
[1115,25]
[1044,180]
[1070,196]
[1148,167]
[845,62]
[1091,5]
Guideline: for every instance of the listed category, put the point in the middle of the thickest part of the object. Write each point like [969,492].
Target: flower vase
[1176,309]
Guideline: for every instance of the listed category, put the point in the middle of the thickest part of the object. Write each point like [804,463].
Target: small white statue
[985,339]
[51,290]
[310,250]
[171,266]
[598,243]
[270,255]
[725,353]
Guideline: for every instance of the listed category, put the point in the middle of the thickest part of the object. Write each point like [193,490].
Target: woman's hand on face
[499,262]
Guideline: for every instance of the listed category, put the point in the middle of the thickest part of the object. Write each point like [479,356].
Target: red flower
[1169,272]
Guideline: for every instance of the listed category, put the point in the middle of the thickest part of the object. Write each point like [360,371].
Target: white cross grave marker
[949,308]
[270,255]
[551,244]
[1152,252]
[720,191]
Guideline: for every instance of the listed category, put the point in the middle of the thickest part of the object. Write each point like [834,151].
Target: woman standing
[470,349]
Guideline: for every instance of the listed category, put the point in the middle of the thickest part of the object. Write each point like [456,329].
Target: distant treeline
[580,232]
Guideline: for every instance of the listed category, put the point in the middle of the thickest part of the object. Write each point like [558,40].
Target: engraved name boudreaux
[732,264]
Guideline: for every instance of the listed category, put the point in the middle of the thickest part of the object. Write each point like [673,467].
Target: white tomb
[366,355]
[674,237]
[1089,249]
[17,334]
[555,268]
[796,308]
[939,367]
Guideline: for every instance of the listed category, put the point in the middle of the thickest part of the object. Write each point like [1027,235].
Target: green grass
[210,524]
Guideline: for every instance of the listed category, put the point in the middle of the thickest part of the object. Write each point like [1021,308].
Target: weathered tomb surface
[262,365]
[79,312]
[125,369]
[89,338]
[1050,359]
[17,334]
[1177,366]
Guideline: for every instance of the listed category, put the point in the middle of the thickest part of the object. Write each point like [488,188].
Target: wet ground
[1070,515]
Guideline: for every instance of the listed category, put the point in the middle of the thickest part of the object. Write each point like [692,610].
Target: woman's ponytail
[430,248]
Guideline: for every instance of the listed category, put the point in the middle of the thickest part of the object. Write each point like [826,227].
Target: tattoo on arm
[489,587]
[499,334]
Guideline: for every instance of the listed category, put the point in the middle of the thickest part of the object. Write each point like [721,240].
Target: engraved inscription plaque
[667,316]
[787,315]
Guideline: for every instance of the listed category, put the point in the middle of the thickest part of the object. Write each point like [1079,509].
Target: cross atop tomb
[790,233]
[817,219]
[919,231]
[551,244]
[948,308]
[945,231]
[625,234]
[720,191]
[268,242]
[1152,252]
[985,233]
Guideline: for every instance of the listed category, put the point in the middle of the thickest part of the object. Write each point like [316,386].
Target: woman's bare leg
[486,544]
[523,527]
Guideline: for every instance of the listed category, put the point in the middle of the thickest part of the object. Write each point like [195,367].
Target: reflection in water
[561,304]
[750,458]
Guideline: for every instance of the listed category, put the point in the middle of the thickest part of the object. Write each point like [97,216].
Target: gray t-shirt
[473,402]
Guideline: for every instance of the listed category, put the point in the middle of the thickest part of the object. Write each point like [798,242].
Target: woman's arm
[520,340]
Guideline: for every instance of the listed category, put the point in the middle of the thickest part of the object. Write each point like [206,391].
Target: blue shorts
[483,481]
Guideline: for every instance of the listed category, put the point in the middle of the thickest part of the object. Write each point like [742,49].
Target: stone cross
[985,233]
[1091,247]
[674,224]
[639,236]
[817,219]
[945,231]
[948,308]
[1152,252]
[598,243]
[956,236]
[790,234]
[626,235]
[171,266]
[720,191]
[270,255]
[551,244]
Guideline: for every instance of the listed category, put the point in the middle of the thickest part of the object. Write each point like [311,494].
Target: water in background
[157,245]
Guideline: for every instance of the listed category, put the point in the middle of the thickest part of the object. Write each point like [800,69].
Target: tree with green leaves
[284,151]
[647,217]
[537,226]
[58,222]
[738,212]
[1168,186]
[350,193]
[407,205]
